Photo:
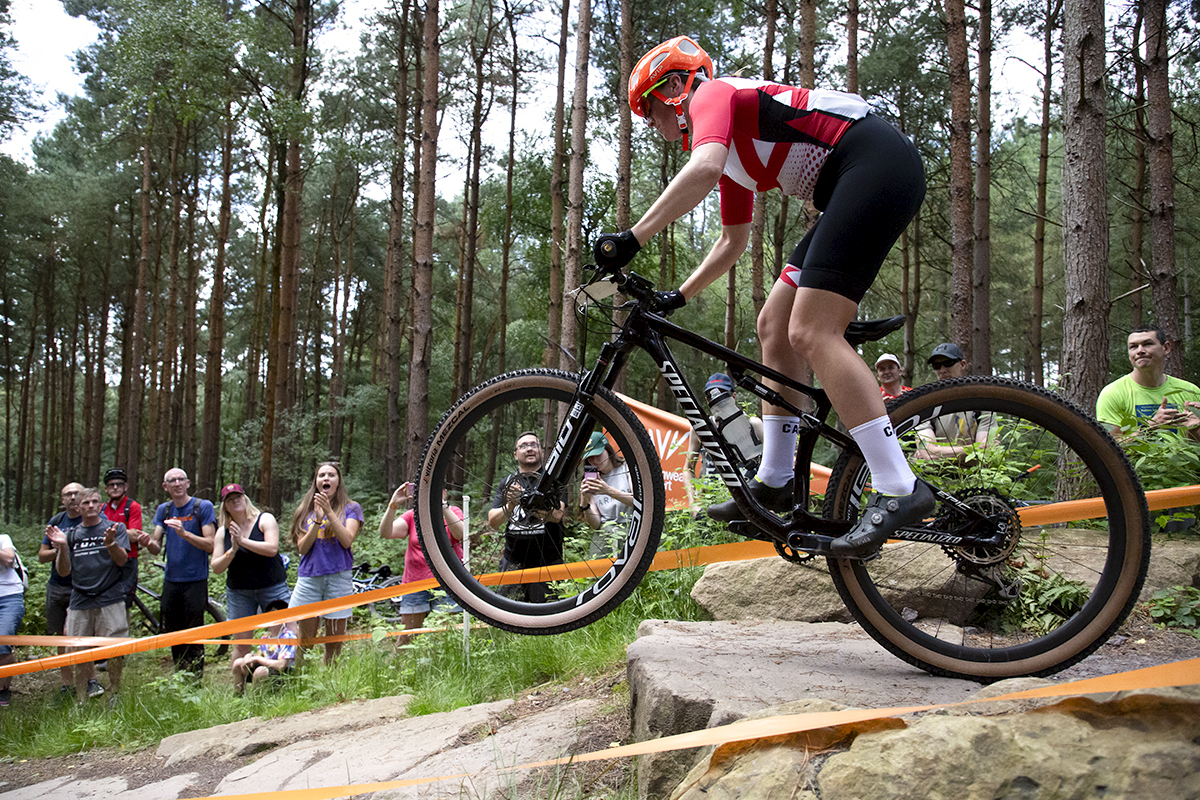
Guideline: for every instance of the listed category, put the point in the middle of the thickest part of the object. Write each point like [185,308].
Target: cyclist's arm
[724,254]
[693,183]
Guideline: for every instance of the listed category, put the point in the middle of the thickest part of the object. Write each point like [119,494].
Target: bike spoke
[1043,594]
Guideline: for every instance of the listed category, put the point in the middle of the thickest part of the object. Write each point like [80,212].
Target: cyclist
[867,179]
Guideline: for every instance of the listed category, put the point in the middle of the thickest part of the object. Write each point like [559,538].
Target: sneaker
[883,516]
[778,499]
[5,697]
[66,693]
[94,688]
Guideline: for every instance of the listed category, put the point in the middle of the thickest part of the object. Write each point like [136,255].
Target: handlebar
[634,286]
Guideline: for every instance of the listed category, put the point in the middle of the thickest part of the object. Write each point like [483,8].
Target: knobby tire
[992,613]
[469,453]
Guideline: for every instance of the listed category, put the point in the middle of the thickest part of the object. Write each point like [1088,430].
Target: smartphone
[591,472]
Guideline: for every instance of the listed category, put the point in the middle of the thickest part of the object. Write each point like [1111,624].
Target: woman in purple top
[323,530]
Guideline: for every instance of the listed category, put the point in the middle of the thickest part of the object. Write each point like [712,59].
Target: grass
[156,703]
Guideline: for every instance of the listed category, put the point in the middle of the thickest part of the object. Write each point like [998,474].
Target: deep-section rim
[1107,607]
[646,525]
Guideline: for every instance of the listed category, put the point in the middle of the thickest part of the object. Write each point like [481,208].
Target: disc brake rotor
[1002,519]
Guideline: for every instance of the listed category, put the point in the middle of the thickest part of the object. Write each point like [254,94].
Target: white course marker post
[466,619]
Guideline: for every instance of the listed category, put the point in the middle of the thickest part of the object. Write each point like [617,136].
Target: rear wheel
[1069,534]
[469,453]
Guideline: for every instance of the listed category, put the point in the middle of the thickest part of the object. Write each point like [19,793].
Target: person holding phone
[605,495]
[415,606]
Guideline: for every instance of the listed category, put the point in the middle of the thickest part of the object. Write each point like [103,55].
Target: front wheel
[471,452]
[1068,525]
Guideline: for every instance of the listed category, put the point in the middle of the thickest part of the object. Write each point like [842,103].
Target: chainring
[794,556]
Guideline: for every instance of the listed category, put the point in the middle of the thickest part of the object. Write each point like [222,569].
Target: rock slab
[686,676]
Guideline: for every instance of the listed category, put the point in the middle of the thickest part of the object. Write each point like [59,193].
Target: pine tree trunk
[550,356]
[1085,214]
[961,236]
[575,197]
[422,329]
[210,430]
[393,270]
[1159,148]
[981,303]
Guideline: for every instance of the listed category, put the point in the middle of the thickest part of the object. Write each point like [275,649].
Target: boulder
[1172,563]
[1123,746]
[686,676]
[771,588]
[1134,746]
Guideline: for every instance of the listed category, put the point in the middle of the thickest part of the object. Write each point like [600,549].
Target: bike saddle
[870,330]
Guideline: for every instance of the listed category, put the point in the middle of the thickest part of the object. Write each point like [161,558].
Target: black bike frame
[650,332]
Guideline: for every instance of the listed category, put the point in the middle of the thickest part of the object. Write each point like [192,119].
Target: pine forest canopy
[240,255]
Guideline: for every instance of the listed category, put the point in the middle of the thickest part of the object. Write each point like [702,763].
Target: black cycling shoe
[882,517]
[778,499]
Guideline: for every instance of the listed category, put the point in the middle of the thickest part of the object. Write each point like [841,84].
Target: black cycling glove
[666,302]
[615,250]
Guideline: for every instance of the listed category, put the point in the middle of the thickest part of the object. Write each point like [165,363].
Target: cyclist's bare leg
[815,331]
[778,353]
[819,318]
[780,425]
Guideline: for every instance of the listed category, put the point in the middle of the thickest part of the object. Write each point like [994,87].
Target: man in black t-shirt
[93,554]
[58,587]
[531,539]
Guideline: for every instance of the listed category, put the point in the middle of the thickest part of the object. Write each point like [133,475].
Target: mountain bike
[994,584]
[144,619]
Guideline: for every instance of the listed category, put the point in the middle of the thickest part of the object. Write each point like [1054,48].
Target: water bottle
[731,423]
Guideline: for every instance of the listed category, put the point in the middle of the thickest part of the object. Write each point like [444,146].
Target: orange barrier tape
[229,627]
[111,647]
[1182,673]
[1071,510]
[1067,511]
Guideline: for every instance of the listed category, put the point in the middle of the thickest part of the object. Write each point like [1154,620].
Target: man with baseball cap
[124,509]
[948,361]
[949,435]
[887,370]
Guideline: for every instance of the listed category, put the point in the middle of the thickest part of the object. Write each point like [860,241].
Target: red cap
[233,488]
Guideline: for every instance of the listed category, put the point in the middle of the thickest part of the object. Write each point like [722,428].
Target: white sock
[779,449]
[890,472]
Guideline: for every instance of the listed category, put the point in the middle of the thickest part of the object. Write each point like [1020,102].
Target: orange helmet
[680,54]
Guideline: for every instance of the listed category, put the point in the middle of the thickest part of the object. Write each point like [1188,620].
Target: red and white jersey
[778,136]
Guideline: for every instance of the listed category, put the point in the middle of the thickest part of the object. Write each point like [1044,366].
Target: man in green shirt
[1147,398]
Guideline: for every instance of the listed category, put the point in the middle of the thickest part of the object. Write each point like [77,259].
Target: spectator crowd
[93,546]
